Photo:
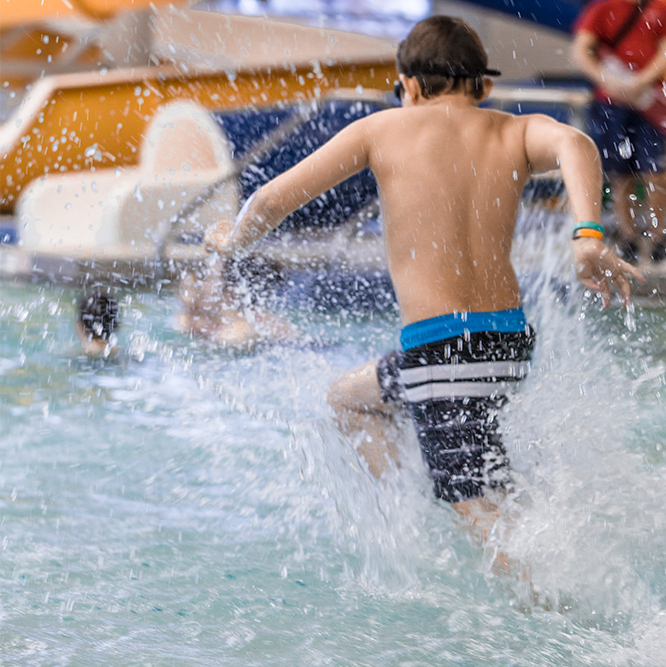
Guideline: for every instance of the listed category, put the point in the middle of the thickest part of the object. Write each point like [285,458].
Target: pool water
[187,505]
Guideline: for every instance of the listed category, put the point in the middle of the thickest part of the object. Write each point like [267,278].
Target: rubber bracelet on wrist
[584,232]
[586,224]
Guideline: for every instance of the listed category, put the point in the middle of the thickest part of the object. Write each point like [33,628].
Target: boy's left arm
[338,159]
[550,145]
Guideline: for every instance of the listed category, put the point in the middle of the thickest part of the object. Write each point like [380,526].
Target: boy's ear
[488,85]
[412,89]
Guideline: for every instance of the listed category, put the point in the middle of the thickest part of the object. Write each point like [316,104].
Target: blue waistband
[456,324]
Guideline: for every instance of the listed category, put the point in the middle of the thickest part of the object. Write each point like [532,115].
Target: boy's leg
[357,401]
[479,516]
[461,446]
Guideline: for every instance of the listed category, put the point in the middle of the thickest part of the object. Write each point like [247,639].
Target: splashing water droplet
[629,318]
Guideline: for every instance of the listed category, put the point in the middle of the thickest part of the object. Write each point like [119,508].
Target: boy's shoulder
[519,120]
[396,115]
[484,119]
[400,114]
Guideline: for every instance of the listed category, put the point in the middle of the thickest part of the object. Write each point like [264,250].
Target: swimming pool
[191,506]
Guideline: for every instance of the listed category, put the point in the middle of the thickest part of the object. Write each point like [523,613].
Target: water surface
[192,506]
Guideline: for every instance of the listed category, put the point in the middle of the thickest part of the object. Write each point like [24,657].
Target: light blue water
[198,507]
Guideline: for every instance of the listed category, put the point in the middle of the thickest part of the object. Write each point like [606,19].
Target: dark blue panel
[244,129]
[557,14]
[8,234]
[336,290]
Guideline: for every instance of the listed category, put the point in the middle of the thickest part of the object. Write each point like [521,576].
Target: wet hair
[98,315]
[445,55]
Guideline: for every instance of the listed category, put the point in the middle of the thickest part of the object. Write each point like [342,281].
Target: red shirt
[605,18]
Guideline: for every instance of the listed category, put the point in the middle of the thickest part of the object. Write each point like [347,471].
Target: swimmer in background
[96,322]
[229,308]
[450,177]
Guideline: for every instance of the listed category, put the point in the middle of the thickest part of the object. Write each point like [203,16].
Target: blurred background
[92,87]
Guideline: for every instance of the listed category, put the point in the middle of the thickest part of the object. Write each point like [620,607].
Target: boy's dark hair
[446,55]
[98,315]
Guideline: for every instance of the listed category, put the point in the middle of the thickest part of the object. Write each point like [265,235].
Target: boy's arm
[341,157]
[549,145]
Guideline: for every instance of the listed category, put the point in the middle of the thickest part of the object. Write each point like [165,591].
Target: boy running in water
[450,178]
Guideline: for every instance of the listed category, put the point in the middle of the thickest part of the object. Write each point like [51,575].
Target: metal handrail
[576,99]
[573,97]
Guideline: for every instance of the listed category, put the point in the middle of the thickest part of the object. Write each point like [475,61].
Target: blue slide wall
[557,14]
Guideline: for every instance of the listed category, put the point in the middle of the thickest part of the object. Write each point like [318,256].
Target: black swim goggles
[449,71]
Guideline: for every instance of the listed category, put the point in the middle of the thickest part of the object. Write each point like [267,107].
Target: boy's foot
[658,252]
[629,252]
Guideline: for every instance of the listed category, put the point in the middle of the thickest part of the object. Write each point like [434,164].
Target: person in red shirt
[620,45]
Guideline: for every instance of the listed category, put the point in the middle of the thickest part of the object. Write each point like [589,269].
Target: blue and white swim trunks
[454,374]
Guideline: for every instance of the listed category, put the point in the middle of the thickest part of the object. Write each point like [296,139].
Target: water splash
[206,496]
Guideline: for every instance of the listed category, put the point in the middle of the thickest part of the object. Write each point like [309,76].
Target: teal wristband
[588,225]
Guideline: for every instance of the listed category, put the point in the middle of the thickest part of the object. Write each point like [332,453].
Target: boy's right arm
[339,158]
[551,145]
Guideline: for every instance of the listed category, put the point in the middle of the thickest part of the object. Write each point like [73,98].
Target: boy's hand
[218,237]
[597,266]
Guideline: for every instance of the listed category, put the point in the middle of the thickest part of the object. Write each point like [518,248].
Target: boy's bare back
[450,178]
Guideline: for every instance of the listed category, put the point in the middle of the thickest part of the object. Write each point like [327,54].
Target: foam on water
[194,506]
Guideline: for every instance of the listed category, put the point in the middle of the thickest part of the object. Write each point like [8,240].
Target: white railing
[574,99]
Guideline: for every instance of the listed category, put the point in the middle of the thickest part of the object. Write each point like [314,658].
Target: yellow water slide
[96,74]
[23,12]
[42,37]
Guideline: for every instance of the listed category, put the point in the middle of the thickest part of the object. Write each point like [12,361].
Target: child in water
[96,322]
[450,177]
[229,308]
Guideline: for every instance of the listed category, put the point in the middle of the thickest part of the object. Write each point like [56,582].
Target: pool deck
[340,250]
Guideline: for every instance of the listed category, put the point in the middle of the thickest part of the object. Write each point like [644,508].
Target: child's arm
[549,145]
[341,157]
[583,54]
[655,69]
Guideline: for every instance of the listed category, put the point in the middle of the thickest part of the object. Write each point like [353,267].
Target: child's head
[446,56]
[98,317]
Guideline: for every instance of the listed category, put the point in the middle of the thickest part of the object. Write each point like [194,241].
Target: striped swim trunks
[453,387]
